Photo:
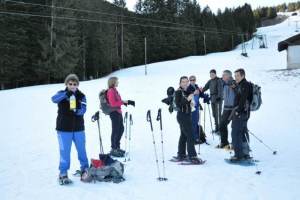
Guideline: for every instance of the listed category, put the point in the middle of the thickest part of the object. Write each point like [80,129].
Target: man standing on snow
[229,97]
[240,116]
[215,87]
[70,127]
[183,101]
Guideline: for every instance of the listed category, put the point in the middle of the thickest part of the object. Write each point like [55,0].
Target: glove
[171,109]
[218,99]
[95,117]
[206,98]
[132,103]
[201,108]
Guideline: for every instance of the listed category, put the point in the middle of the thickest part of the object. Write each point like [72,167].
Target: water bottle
[73,103]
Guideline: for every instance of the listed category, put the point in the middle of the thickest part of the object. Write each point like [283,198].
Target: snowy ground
[29,148]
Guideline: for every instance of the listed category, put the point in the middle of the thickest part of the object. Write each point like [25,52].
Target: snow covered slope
[29,149]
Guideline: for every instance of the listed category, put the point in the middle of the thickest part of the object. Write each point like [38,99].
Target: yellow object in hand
[73,103]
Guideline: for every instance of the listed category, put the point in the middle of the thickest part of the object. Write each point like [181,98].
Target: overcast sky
[215,4]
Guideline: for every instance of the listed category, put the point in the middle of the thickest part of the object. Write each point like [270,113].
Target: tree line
[41,41]
[264,13]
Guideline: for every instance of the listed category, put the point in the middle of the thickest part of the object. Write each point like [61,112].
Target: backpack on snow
[105,172]
[104,104]
[255,97]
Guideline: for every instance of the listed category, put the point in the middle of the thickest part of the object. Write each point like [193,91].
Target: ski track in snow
[29,147]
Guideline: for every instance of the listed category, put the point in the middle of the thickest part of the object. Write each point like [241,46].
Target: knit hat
[72,77]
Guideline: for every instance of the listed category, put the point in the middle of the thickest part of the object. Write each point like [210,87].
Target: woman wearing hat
[70,126]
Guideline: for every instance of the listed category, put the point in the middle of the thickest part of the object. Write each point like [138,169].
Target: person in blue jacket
[70,126]
[193,88]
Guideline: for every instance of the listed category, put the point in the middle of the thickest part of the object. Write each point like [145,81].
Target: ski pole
[258,172]
[126,122]
[159,118]
[211,123]
[204,118]
[199,122]
[96,117]
[153,140]
[129,141]
[274,152]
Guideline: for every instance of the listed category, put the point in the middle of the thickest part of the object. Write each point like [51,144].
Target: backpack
[100,171]
[255,98]
[104,104]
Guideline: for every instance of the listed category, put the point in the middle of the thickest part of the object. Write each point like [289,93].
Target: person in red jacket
[115,101]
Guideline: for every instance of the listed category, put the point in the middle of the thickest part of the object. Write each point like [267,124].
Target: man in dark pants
[215,87]
[186,141]
[241,114]
[229,97]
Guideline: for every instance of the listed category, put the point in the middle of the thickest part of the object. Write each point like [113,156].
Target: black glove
[218,98]
[95,117]
[206,98]
[171,109]
[132,103]
[201,108]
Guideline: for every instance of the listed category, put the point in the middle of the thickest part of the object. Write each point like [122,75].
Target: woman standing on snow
[70,126]
[115,101]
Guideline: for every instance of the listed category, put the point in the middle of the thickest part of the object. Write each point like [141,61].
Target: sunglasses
[192,80]
[72,84]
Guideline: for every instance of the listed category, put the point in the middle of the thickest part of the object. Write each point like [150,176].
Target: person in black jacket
[215,86]
[240,116]
[183,101]
[70,126]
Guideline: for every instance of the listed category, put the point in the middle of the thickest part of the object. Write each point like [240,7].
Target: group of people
[70,123]
[231,96]
[230,101]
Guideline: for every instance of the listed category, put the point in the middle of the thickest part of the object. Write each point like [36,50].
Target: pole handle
[130,119]
[125,117]
[149,119]
[158,118]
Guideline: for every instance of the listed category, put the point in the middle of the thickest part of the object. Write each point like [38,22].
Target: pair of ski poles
[127,135]
[159,118]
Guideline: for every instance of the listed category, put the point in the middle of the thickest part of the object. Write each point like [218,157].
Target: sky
[215,4]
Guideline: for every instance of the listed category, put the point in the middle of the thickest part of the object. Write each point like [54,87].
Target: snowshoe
[64,180]
[178,159]
[241,161]
[193,161]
